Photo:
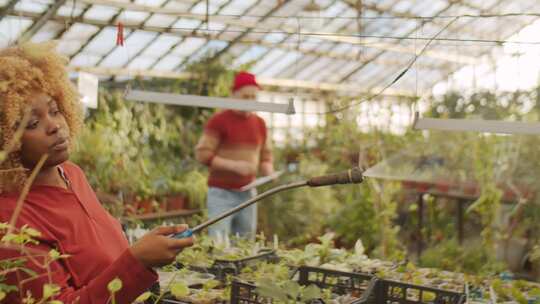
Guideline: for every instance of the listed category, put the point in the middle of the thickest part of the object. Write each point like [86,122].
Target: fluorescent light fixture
[210,102]
[476,125]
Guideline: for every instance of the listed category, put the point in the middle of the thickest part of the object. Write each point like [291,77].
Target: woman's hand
[157,248]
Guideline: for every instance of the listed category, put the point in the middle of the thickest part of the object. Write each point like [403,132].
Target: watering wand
[351,176]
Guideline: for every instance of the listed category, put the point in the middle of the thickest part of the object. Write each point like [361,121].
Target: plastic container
[388,291]
[221,268]
[360,286]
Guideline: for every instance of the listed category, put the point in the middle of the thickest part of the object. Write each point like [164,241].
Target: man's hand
[157,248]
[240,167]
[244,168]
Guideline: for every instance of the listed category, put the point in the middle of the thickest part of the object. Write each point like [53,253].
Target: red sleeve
[263,129]
[134,276]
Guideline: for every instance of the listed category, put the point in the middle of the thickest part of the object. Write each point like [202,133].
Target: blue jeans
[243,223]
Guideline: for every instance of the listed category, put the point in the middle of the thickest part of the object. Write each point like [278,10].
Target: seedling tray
[359,285]
[222,267]
[388,291]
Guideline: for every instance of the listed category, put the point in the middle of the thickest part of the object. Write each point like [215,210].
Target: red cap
[243,79]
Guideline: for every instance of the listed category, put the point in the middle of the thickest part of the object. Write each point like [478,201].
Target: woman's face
[46,133]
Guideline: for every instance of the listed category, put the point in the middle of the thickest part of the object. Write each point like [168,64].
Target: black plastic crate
[172,301]
[392,292]
[221,268]
[358,285]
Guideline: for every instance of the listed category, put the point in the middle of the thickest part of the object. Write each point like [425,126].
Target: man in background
[235,147]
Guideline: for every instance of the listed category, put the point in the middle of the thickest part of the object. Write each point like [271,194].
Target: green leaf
[54,254]
[115,285]
[50,290]
[292,289]
[9,238]
[55,302]
[210,284]
[8,288]
[4,226]
[2,295]
[145,296]
[28,271]
[268,289]
[31,232]
[311,292]
[179,290]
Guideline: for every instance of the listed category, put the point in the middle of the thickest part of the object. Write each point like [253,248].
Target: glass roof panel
[31,6]
[103,42]
[161,20]
[160,46]
[11,28]
[251,54]
[237,7]
[186,24]
[133,16]
[141,62]
[85,59]
[200,8]
[289,59]
[168,62]
[188,46]
[270,58]
[70,10]
[47,32]
[100,12]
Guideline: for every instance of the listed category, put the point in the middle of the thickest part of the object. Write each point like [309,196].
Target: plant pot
[176,202]
[292,157]
[409,185]
[470,189]
[145,206]
[423,187]
[443,187]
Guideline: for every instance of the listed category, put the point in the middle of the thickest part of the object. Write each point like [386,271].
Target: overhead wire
[395,80]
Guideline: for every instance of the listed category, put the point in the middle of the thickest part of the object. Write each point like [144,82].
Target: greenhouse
[282,151]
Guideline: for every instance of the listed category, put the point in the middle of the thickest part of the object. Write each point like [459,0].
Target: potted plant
[187,191]
[176,199]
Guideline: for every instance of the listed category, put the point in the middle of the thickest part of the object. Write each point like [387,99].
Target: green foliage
[287,292]
[474,258]
[115,285]
[143,297]
[179,290]
[299,215]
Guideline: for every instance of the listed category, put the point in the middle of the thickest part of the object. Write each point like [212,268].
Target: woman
[35,90]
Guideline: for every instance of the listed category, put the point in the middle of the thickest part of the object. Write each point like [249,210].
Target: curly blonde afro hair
[24,70]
